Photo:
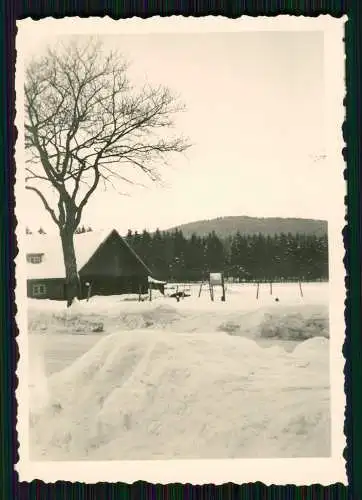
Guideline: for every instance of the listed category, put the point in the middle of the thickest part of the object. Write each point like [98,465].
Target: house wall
[113,285]
[54,289]
[113,270]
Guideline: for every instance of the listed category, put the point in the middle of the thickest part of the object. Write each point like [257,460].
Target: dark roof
[52,265]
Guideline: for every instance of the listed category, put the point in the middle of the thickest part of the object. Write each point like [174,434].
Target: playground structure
[179,291]
[182,290]
[215,279]
[154,284]
[258,287]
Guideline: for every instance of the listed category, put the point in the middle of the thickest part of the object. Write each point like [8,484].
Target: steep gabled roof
[52,265]
[137,256]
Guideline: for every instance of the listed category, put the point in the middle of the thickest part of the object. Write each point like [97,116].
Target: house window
[34,258]
[39,289]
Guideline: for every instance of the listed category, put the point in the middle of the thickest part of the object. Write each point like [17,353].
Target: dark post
[211,291]
[223,297]
[89,286]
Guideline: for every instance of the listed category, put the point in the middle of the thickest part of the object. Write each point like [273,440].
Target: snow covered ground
[117,379]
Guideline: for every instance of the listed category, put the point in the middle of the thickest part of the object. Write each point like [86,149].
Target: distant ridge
[226,226]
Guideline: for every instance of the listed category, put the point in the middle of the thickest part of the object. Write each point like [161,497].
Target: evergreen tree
[137,243]
[82,229]
[171,256]
[160,264]
[194,258]
[239,254]
[129,237]
[145,247]
[179,253]
[214,253]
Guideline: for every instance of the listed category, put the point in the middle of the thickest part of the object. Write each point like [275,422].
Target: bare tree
[85,124]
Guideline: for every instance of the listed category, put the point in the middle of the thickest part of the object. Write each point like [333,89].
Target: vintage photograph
[179,233]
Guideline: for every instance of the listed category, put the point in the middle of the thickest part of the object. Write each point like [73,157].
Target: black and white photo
[180,279]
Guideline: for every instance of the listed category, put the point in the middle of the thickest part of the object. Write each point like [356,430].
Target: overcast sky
[254,115]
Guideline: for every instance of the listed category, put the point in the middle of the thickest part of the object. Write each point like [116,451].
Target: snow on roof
[52,265]
[157,282]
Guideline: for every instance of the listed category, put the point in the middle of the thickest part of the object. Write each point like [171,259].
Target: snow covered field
[117,379]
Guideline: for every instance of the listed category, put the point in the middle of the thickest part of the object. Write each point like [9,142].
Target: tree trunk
[70,263]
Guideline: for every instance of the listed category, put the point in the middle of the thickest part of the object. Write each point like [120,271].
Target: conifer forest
[282,257]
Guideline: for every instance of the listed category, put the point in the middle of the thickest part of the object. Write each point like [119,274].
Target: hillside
[225,226]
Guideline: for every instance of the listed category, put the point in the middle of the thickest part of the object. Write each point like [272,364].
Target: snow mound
[292,324]
[311,347]
[151,394]
[65,322]
[295,323]
[285,323]
[160,317]
[38,386]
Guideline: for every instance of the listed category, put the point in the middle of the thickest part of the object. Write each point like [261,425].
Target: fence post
[211,292]
[223,297]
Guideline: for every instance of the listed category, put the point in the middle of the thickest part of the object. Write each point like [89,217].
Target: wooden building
[107,265]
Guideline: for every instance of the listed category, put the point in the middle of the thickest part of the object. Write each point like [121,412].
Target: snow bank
[292,317]
[38,384]
[284,322]
[148,394]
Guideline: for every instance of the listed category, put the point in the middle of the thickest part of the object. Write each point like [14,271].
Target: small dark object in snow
[178,295]
[57,407]
[98,328]
[276,299]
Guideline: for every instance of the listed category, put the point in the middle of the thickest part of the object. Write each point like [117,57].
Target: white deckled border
[270,471]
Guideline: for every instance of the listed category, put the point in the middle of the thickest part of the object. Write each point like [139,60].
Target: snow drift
[285,322]
[148,394]
[116,379]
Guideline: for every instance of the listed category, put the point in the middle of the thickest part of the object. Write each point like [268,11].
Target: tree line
[30,231]
[172,257]
[80,230]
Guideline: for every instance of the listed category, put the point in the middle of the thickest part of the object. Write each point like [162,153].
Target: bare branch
[91,190]
[45,203]
[84,122]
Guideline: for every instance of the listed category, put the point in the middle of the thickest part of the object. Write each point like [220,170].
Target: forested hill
[226,226]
